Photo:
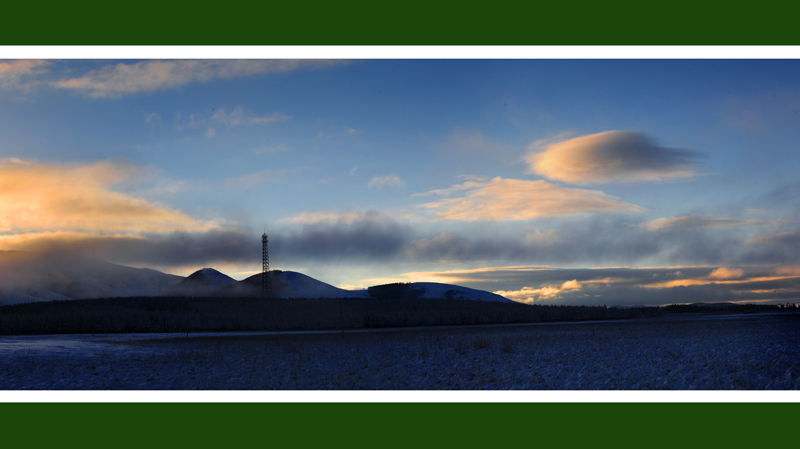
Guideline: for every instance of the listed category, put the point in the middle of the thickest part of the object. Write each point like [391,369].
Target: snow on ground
[749,352]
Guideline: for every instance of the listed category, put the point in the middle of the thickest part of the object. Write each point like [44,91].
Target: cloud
[38,197]
[361,236]
[12,72]
[782,247]
[791,238]
[529,295]
[726,273]
[238,117]
[612,156]
[596,241]
[166,250]
[501,199]
[326,217]
[692,222]
[121,79]
[392,180]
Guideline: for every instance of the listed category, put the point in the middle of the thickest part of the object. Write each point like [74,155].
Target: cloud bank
[612,156]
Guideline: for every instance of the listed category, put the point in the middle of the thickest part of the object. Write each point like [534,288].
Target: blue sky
[535,178]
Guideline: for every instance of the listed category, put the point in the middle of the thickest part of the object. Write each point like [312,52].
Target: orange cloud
[611,156]
[724,275]
[529,294]
[501,199]
[51,198]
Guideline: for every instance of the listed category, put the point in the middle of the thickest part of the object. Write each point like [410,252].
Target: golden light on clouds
[530,294]
[725,275]
[611,156]
[37,198]
[500,199]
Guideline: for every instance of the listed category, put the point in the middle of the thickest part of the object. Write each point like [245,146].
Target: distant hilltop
[26,277]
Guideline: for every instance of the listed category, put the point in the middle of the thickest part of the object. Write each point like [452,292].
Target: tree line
[178,314]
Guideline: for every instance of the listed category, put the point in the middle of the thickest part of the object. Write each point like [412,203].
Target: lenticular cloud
[612,156]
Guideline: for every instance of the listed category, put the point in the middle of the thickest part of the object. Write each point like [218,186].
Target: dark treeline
[149,314]
[727,308]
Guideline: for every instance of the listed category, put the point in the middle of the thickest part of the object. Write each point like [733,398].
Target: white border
[402,52]
[415,396]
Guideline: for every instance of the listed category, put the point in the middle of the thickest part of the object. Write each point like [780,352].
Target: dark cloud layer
[172,249]
[370,236]
[379,238]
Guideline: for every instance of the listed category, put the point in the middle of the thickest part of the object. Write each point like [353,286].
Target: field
[729,352]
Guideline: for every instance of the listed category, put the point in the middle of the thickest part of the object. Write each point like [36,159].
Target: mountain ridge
[28,277]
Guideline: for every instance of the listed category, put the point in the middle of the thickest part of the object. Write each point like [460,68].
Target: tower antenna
[266,285]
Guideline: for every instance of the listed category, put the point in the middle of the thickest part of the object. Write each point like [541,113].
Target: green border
[411,22]
[487,425]
[398,23]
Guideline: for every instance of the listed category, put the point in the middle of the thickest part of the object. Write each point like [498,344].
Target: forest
[174,314]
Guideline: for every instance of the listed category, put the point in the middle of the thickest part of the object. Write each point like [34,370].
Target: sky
[560,181]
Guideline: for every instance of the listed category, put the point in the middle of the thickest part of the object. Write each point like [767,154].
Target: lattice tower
[266,285]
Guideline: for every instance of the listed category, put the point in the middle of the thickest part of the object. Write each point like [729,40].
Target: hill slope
[287,284]
[29,277]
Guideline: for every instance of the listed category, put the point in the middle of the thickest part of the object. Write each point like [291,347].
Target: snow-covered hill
[420,290]
[205,282]
[29,277]
[437,290]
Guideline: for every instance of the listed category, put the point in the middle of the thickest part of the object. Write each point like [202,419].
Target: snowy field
[710,353]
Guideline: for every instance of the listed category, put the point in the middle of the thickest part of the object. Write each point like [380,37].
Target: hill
[422,290]
[287,284]
[205,282]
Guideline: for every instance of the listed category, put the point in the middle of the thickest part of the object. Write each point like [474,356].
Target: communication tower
[266,285]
